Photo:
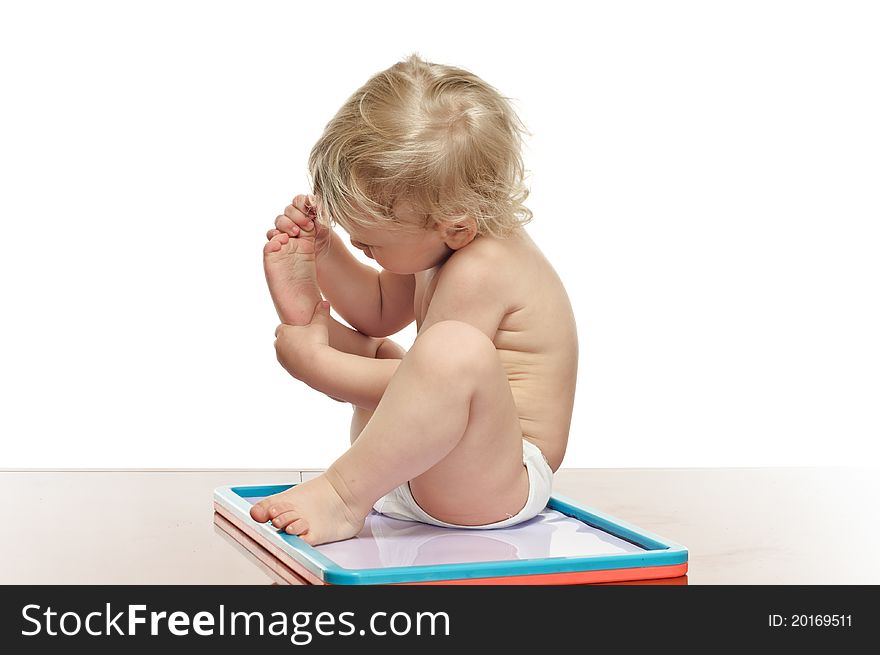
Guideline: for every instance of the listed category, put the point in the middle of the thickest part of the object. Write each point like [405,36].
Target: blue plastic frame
[658,551]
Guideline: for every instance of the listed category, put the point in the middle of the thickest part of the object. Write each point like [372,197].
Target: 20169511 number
[810,621]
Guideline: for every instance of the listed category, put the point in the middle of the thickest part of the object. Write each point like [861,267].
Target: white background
[704,179]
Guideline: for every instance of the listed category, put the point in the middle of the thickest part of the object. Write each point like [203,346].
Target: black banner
[105,619]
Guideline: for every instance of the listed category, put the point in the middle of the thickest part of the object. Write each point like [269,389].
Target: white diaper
[400,504]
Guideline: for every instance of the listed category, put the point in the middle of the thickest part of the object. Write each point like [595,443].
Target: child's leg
[447,423]
[386,350]
[289,264]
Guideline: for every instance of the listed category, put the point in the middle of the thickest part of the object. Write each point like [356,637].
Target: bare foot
[314,510]
[289,263]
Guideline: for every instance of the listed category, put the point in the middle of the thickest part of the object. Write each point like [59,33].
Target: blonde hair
[437,136]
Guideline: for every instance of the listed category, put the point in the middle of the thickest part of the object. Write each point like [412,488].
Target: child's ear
[460,232]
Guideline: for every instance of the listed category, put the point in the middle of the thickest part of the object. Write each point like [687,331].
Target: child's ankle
[359,507]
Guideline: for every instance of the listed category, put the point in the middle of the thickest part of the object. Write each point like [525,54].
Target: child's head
[422,146]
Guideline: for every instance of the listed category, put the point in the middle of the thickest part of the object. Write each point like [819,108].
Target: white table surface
[741,526]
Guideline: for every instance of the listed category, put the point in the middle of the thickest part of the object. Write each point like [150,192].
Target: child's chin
[398,270]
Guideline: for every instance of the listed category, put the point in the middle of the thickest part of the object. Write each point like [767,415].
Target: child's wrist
[316,364]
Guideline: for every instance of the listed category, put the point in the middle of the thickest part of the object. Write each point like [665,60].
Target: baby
[422,168]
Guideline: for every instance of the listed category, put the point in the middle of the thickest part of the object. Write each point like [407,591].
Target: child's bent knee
[459,333]
[458,346]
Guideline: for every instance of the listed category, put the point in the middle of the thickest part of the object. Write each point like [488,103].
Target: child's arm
[342,338]
[375,303]
[346,340]
[305,351]
[358,380]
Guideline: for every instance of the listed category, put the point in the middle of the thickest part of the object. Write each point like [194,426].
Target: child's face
[402,252]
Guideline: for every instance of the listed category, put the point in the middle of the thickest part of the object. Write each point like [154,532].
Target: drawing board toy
[565,544]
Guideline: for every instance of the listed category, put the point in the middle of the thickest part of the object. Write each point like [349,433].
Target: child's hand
[300,218]
[297,346]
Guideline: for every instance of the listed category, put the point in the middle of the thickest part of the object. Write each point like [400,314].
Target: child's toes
[297,527]
[260,512]
[274,244]
[284,519]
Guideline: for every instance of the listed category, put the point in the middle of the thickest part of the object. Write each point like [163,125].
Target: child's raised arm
[375,303]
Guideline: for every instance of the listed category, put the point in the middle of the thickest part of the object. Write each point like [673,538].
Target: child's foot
[289,264]
[313,510]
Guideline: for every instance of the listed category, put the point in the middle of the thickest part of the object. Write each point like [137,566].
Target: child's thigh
[482,479]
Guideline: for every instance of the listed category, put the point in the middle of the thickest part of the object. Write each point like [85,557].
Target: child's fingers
[307,205]
[283,223]
[271,233]
[297,216]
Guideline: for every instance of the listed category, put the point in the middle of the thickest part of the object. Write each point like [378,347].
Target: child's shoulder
[496,254]
[482,255]
[485,264]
